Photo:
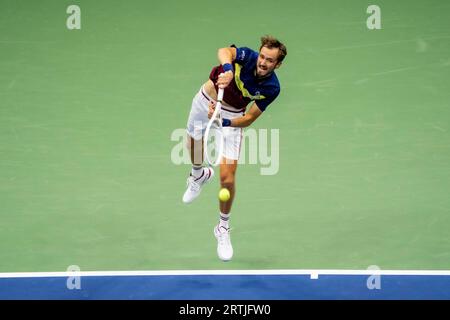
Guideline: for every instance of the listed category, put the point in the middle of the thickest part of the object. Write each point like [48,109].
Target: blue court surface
[235,285]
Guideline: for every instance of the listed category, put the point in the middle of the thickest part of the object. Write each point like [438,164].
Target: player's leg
[227,180]
[199,175]
[222,230]
[228,167]
[196,151]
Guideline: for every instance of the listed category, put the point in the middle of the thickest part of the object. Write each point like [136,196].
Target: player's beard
[260,72]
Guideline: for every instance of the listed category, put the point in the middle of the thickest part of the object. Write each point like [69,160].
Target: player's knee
[193,144]
[227,179]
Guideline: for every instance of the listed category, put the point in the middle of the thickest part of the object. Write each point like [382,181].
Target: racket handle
[220,95]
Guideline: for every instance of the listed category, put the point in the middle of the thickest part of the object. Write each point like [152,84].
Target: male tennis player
[247,77]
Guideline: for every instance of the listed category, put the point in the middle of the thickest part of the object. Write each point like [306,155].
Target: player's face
[267,61]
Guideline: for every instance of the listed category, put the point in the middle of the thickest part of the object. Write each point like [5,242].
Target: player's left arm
[253,113]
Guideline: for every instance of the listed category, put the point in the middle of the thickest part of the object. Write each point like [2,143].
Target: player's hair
[271,42]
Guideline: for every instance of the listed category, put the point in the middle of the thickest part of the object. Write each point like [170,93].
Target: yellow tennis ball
[224,194]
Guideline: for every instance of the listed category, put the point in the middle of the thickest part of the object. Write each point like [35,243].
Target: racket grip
[220,95]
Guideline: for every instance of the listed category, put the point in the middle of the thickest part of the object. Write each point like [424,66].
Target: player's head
[271,54]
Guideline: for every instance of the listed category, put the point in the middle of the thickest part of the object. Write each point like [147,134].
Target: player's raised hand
[224,79]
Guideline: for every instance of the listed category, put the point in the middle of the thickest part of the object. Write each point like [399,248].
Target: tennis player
[248,80]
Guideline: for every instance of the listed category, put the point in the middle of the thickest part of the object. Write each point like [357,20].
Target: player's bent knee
[227,179]
[192,143]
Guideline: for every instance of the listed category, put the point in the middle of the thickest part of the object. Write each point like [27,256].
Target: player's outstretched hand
[224,79]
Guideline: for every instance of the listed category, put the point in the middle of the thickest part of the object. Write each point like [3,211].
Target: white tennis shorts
[198,120]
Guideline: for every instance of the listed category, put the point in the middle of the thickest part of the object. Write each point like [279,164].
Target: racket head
[214,140]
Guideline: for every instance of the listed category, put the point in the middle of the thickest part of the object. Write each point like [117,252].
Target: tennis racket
[214,130]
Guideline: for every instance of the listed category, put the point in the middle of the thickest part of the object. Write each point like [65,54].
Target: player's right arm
[226,57]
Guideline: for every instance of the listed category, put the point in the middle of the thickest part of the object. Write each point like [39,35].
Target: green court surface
[86,118]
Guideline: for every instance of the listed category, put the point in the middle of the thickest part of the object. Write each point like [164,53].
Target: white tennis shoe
[224,247]
[194,185]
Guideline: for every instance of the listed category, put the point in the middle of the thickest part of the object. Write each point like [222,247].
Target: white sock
[197,171]
[223,222]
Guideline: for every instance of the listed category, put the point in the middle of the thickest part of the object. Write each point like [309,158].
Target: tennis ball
[224,195]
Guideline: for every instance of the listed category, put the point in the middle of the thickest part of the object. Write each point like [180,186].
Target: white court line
[225,272]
